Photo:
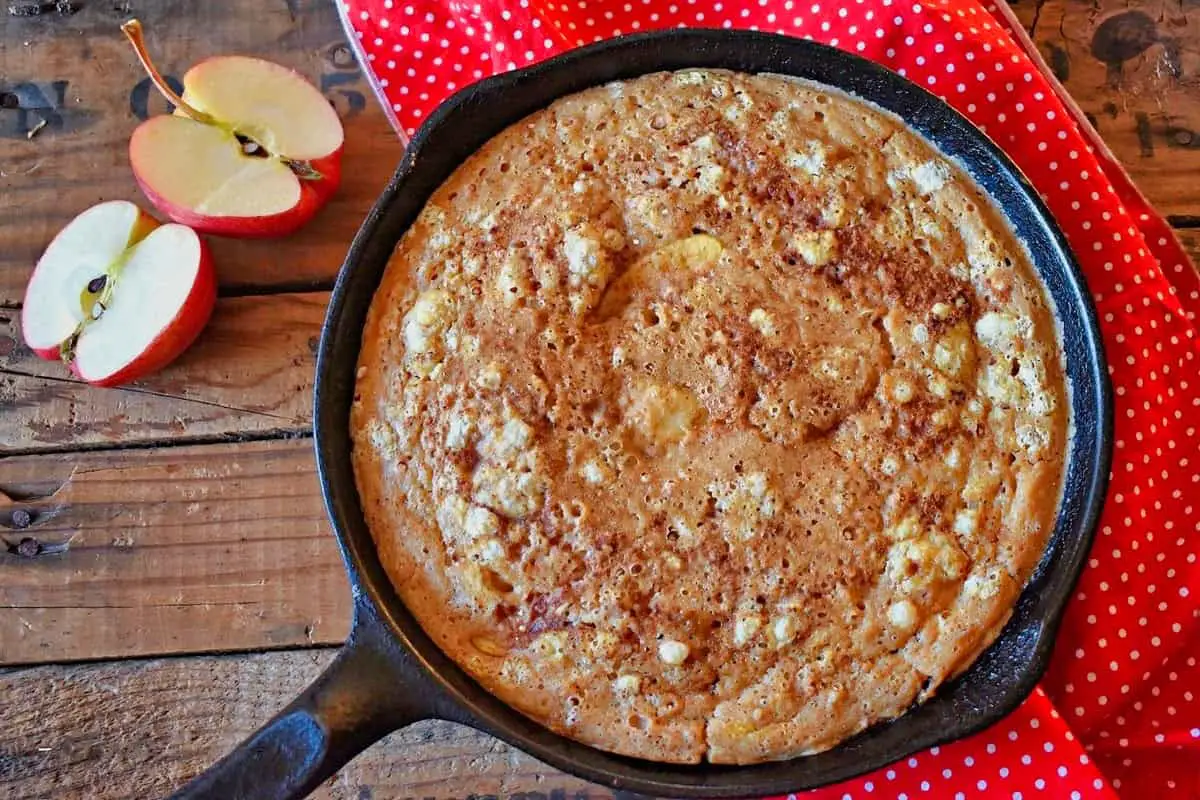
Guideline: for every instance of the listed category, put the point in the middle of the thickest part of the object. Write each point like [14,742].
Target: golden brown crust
[710,416]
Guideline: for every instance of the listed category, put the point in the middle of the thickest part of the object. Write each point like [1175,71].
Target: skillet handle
[364,695]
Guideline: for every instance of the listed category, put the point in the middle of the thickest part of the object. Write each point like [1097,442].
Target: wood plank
[1130,66]
[142,728]
[172,550]
[249,373]
[78,74]
[1026,12]
[1190,239]
[1143,106]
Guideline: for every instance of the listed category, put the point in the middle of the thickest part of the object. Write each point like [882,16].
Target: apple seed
[250,147]
[98,291]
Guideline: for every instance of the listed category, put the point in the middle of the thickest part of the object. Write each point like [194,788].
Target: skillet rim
[457,697]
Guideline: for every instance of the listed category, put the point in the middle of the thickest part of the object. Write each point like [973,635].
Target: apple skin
[179,334]
[141,229]
[314,194]
[200,90]
[48,353]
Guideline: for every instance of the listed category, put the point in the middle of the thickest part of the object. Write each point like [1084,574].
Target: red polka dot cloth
[1117,715]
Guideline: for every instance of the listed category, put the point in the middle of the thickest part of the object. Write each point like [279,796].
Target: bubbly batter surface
[707,416]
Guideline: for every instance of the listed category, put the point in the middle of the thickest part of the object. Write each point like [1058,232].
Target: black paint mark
[28,8]
[293,7]
[1124,36]
[355,100]
[28,548]
[1060,62]
[34,103]
[32,548]
[1181,137]
[1143,134]
[364,792]
[139,97]
[1121,37]
[34,8]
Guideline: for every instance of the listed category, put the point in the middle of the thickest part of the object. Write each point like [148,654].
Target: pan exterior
[997,681]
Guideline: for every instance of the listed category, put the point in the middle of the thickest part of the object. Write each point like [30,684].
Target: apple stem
[136,36]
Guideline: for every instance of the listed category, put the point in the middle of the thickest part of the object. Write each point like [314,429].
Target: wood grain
[174,550]
[1190,239]
[78,73]
[250,373]
[196,549]
[141,728]
[1135,69]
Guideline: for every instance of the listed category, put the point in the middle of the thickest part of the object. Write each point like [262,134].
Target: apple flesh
[254,151]
[117,295]
[82,251]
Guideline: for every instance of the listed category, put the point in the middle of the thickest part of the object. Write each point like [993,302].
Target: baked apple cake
[708,416]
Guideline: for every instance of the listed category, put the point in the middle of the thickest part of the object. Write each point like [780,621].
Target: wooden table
[178,582]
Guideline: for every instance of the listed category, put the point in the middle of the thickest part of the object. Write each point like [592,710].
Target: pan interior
[999,679]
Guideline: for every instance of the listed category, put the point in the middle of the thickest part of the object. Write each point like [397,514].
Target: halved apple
[253,148]
[117,296]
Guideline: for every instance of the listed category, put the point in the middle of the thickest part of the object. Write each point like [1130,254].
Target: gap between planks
[249,375]
[211,548]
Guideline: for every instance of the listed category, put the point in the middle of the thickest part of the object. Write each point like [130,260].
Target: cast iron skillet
[390,674]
